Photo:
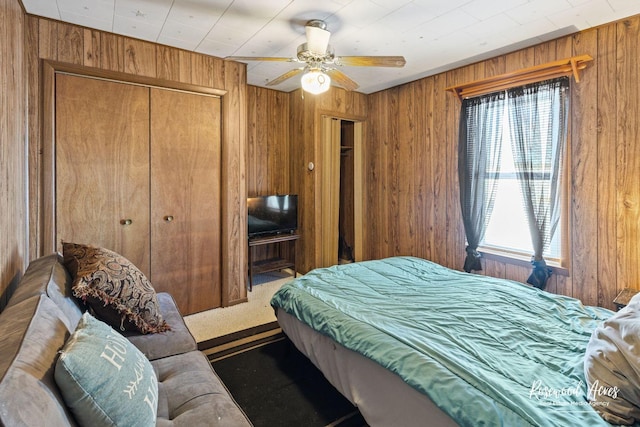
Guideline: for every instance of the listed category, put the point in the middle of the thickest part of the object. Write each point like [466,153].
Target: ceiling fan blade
[342,79]
[371,61]
[285,76]
[260,58]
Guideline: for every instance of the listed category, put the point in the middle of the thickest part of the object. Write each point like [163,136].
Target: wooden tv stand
[272,264]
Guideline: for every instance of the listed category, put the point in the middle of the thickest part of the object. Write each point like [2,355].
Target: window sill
[520,260]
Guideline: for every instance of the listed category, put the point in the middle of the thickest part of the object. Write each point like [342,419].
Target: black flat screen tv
[274,214]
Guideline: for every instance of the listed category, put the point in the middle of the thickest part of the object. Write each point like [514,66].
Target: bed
[410,342]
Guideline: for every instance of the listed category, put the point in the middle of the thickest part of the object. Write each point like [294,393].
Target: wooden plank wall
[306,112]
[56,41]
[411,197]
[13,183]
[411,165]
[267,151]
[267,142]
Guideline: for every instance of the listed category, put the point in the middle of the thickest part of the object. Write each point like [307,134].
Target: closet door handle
[126,221]
[168,218]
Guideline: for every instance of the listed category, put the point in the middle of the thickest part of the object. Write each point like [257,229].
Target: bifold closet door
[185,197]
[102,166]
[330,190]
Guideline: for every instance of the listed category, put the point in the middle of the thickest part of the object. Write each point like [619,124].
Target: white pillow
[612,366]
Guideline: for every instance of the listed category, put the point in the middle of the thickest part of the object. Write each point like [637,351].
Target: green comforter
[486,351]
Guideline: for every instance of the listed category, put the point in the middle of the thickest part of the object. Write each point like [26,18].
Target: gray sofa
[41,315]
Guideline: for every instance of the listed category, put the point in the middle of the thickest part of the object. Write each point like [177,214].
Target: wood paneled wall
[268,142]
[268,152]
[411,165]
[13,160]
[284,136]
[306,112]
[166,66]
[411,198]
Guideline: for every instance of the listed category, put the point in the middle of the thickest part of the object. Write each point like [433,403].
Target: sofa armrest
[33,331]
[176,341]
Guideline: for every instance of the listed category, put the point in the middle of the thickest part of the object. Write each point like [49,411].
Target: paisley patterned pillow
[115,289]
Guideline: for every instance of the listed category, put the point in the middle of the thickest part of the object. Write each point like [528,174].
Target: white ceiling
[433,35]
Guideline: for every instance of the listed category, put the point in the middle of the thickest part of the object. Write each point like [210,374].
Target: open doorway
[341,191]
[346,231]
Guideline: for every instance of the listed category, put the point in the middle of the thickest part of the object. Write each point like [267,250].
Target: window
[508,229]
[510,155]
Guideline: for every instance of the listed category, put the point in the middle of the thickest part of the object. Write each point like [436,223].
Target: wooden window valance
[550,70]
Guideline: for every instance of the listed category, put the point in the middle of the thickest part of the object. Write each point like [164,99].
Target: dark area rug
[276,385]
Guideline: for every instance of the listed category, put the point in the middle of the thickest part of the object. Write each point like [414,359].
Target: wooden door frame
[358,191]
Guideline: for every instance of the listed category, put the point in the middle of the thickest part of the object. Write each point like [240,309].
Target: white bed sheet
[382,397]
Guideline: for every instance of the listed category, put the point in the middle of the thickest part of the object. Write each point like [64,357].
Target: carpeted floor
[212,324]
[277,386]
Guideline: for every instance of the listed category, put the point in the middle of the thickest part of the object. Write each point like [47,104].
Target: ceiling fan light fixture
[317,39]
[319,62]
[315,81]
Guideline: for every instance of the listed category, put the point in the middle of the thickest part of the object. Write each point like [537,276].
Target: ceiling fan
[319,61]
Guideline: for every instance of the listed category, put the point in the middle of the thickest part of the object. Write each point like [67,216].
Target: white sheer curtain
[538,117]
[480,134]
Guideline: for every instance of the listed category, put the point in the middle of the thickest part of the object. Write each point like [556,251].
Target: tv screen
[273,214]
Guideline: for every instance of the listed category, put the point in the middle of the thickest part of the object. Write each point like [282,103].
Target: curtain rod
[550,70]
